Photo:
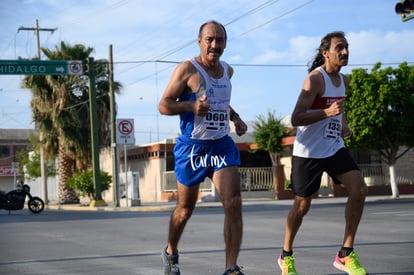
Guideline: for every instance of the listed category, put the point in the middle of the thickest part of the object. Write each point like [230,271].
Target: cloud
[234,58]
[367,47]
[267,57]
[303,47]
[300,49]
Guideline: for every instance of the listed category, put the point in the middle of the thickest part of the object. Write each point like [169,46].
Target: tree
[380,112]
[60,111]
[30,160]
[268,133]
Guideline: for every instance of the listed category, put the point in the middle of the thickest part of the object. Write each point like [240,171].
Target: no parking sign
[125,131]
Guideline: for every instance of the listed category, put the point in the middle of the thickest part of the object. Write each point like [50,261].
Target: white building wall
[149,177]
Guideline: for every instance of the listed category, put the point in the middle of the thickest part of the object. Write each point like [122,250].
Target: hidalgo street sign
[41,67]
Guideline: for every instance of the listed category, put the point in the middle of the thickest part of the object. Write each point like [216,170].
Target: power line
[260,65]
[191,42]
[242,65]
[252,11]
[277,17]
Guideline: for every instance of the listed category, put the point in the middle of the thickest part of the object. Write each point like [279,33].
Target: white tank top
[215,124]
[323,138]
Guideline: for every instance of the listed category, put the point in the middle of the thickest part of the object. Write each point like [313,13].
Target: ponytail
[319,60]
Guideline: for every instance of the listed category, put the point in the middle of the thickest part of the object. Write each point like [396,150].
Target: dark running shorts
[307,172]
[197,159]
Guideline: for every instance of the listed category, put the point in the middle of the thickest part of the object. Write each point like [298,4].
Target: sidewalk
[169,206]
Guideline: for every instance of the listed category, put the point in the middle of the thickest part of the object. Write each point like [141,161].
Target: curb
[106,208]
[169,206]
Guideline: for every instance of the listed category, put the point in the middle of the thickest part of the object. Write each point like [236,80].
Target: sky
[269,45]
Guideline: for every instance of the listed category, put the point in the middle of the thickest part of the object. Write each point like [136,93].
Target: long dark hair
[319,60]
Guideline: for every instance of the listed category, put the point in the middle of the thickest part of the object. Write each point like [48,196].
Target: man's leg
[294,220]
[357,191]
[187,198]
[347,259]
[227,182]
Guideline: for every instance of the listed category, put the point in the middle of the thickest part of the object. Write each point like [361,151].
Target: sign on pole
[41,67]
[125,131]
[15,167]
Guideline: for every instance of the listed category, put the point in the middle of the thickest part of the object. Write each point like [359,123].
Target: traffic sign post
[15,168]
[41,67]
[125,135]
[125,131]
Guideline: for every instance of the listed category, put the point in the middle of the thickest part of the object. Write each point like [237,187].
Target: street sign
[125,131]
[41,67]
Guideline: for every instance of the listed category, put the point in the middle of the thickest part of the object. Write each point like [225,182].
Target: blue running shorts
[197,159]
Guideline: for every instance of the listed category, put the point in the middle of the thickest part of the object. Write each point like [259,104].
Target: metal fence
[261,178]
[251,179]
[256,178]
[373,174]
[380,175]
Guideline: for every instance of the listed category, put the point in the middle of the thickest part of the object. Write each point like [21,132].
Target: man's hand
[240,126]
[336,108]
[201,107]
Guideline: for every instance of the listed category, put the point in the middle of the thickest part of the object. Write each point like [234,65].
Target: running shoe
[234,270]
[350,264]
[170,261]
[287,265]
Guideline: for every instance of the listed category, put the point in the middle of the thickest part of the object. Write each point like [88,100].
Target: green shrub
[82,182]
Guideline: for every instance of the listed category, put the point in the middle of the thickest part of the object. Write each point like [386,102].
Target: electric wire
[192,41]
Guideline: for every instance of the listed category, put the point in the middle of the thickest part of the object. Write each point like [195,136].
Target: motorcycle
[15,199]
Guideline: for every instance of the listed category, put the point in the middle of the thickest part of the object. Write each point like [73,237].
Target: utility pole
[37,31]
[43,170]
[114,151]
[98,201]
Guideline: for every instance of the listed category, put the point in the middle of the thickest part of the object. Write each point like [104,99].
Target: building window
[4,151]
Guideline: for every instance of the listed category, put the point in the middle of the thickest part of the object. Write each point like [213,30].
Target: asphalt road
[129,242]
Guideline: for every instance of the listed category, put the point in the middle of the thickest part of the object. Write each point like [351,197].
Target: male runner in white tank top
[199,91]
[319,148]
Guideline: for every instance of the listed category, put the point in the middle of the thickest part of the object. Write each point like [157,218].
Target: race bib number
[333,129]
[216,120]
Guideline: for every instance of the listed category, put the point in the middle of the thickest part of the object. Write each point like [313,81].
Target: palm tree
[60,111]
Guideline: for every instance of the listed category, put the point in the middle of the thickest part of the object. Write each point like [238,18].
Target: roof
[16,135]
